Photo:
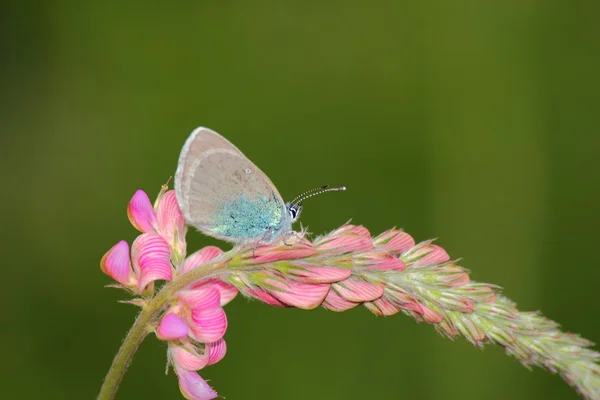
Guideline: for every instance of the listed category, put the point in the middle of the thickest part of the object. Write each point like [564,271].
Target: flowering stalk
[346,268]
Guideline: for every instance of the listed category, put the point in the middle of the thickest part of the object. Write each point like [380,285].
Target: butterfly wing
[224,195]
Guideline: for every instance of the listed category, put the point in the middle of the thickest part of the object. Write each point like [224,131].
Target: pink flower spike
[141,213]
[150,255]
[265,254]
[187,357]
[172,328]
[171,223]
[192,386]
[358,290]
[335,302]
[302,295]
[209,325]
[395,241]
[116,263]
[216,351]
[308,274]
[200,257]
[433,255]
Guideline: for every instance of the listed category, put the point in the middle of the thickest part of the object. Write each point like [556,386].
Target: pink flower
[357,290]
[200,257]
[172,327]
[194,327]
[314,274]
[162,241]
[426,254]
[394,241]
[275,290]
[264,254]
[374,260]
[192,386]
[346,239]
[117,264]
[166,219]
[149,261]
[203,313]
[335,302]
[188,356]
[227,292]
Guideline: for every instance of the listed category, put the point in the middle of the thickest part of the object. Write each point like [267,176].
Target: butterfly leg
[294,236]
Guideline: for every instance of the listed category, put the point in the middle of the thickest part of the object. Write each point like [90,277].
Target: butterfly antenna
[307,192]
[313,192]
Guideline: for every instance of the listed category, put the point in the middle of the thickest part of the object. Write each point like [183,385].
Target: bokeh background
[474,122]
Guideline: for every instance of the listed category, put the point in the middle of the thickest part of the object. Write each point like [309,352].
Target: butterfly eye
[294,211]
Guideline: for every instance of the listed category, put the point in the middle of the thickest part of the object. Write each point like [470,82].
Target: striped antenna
[313,192]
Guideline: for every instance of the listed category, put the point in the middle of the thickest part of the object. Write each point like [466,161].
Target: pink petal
[433,254]
[192,386]
[266,254]
[394,241]
[452,275]
[412,306]
[200,257]
[302,295]
[426,313]
[209,325]
[346,243]
[310,274]
[227,292]
[187,358]
[469,330]
[172,328]
[216,351]
[468,307]
[116,263]
[354,229]
[358,290]
[459,280]
[265,297]
[150,255]
[335,302]
[392,264]
[382,306]
[448,328]
[171,223]
[382,262]
[202,299]
[141,213]
[431,316]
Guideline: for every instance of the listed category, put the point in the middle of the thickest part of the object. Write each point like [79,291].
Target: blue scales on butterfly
[262,216]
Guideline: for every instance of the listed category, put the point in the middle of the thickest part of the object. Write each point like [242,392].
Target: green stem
[140,327]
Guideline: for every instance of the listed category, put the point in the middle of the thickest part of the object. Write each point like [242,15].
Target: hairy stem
[140,327]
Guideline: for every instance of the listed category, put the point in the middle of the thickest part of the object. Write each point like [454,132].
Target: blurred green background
[474,122]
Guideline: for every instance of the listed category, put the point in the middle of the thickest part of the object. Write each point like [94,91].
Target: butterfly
[224,195]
